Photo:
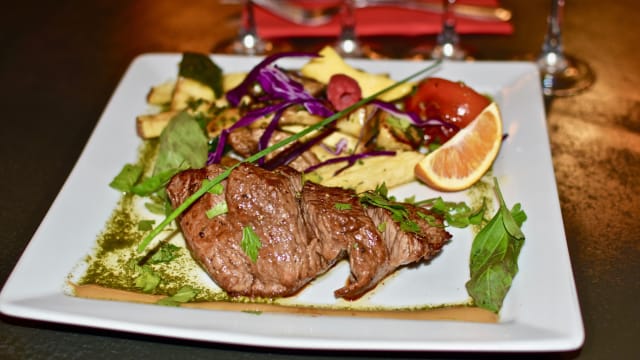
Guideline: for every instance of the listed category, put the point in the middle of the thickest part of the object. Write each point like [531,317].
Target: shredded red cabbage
[280,90]
[341,145]
[410,116]
[350,159]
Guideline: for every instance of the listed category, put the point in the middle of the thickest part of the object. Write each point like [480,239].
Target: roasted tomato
[449,101]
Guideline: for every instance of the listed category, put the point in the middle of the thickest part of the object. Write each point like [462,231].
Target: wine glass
[248,42]
[562,74]
[348,44]
[447,45]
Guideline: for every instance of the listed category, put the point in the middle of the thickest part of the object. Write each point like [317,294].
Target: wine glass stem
[248,40]
[448,34]
[348,44]
[553,39]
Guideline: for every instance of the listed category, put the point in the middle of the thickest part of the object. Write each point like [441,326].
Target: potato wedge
[188,90]
[161,94]
[370,172]
[150,126]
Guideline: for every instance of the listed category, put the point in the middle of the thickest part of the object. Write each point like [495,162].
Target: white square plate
[540,313]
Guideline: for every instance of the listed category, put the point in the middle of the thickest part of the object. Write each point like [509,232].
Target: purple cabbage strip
[341,145]
[276,85]
[235,95]
[412,117]
[246,120]
[350,159]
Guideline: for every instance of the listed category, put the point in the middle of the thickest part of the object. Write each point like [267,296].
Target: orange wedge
[467,156]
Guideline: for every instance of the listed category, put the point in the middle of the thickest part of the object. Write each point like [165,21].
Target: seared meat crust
[303,230]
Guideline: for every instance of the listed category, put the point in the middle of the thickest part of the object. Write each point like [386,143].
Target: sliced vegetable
[449,101]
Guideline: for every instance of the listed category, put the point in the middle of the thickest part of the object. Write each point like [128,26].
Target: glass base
[564,75]
[448,52]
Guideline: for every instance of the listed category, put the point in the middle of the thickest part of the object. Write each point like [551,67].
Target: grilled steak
[303,231]
[336,216]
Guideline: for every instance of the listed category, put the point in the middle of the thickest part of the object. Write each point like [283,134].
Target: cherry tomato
[449,101]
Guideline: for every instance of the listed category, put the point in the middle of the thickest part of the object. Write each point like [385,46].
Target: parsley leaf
[250,243]
[399,212]
[147,280]
[456,214]
[183,295]
[166,253]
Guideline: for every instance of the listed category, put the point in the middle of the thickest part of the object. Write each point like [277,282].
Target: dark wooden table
[62,60]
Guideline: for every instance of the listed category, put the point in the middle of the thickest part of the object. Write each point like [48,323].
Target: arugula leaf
[250,243]
[127,177]
[183,144]
[494,256]
[183,295]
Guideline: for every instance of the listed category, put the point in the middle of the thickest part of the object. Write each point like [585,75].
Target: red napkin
[380,20]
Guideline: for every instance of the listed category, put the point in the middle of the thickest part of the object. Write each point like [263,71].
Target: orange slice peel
[467,156]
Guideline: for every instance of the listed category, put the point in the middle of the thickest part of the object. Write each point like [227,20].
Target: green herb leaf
[456,214]
[218,209]
[494,256]
[147,280]
[154,183]
[250,243]
[155,208]
[145,225]
[200,67]
[127,178]
[398,211]
[166,253]
[342,206]
[216,189]
[183,144]
[183,295]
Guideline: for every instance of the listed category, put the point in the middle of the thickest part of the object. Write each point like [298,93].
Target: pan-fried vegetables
[366,129]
